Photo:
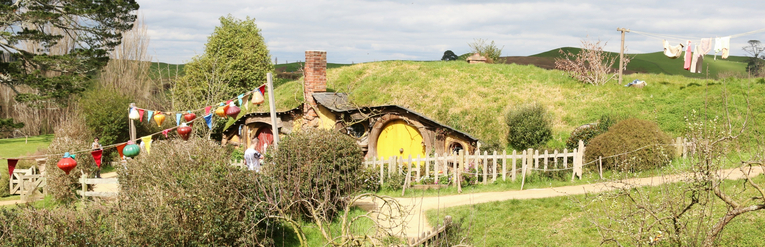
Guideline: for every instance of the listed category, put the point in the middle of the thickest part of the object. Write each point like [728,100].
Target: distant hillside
[293,67]
[166,70]
[657,63]
[474,97]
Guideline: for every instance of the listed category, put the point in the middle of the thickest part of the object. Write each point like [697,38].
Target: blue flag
[208,120]
[240,99]
[177,119]
[148,117]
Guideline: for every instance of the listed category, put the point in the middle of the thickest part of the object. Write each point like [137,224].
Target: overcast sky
[362,31]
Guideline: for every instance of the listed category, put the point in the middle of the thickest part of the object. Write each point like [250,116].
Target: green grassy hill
[474,97]
[657,63]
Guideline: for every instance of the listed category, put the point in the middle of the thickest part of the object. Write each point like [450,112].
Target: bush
[589,131]
[70,136]
[316,170]
[630,135]
[490,50]
[529,127]
[4,189]
[371,178]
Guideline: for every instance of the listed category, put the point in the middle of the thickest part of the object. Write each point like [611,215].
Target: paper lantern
[134,114]
[67,163]
[221,112]
[232,110]
[159,118]
[257,98]
[131,150]
[189,117]
[184,131]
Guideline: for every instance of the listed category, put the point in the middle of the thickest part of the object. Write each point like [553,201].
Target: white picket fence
[492,165]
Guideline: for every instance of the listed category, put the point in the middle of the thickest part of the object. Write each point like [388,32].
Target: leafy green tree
[755,64]
[449,56]
[7,125]
[55,46]
[235,60]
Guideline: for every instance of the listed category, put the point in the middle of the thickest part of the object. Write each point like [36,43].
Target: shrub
[4,189]
[316,170]
[371,180]
[629,135]
[70,136]
[490,50]
[529,127]
[589,131]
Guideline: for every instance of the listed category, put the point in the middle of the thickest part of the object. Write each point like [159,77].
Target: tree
[235,60]
[55,46]
[7,125]
[449,56]
[755,48]
[490,50]
[591,65]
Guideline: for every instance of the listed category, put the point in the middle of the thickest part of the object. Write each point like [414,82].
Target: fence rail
[85,181]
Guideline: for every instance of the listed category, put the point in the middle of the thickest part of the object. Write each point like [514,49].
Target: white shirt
[252,158]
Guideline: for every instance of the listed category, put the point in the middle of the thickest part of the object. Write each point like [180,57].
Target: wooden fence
[484,165]
[85,181]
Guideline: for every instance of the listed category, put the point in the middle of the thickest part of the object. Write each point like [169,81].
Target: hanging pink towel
[706,45]
[687,65]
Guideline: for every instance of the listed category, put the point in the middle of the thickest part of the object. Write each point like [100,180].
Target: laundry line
[666,36]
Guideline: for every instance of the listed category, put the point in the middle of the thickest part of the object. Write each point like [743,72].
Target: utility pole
[132,126]
[272,107]
[621,53]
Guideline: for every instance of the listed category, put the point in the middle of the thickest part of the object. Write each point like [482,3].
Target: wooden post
[512,175]
[621,54]
[600,166]
[427,165]
[417,178]
[272,108]
[85,186]
[459,171]
[485,168]
[408,176]
[530,159]
[555,159]
[679,146]
[132,126]
[455,158]
[435,169]
[565,158]
[546,157]
[685,148]
[391,165]
[573,166]
[382,172]
[494,166]
[580,168]
[523,168]
[504,165]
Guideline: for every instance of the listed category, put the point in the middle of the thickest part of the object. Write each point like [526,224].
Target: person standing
[97,146]
[252,157]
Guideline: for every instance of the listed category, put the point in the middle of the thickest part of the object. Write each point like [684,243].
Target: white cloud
[362,31]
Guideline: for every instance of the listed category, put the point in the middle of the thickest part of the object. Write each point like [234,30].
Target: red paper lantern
[232,110]
[184,131]
[189,117]
[67,163]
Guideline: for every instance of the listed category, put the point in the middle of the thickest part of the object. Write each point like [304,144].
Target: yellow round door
[399,139]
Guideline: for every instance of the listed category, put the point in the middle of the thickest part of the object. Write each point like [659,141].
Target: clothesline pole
[621,54]
[272,107]
[132,125]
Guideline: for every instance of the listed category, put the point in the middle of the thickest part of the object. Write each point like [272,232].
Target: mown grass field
[475,97]
[657,63]
[17,147]
[562,221]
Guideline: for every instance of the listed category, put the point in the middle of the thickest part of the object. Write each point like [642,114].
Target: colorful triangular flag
[148,115]
[11,167]
[208,120]
[177,119]
[140,115]
[97,156]
[164,132]
[262,90]
[207,110]
[147,143]
[240,99]
[119,150]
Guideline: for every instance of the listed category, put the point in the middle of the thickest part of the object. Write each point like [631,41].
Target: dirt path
[106,187]
[416,223]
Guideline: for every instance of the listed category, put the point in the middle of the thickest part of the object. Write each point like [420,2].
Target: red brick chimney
[315,81]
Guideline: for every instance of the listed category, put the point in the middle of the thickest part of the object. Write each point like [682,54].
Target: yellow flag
[147,143]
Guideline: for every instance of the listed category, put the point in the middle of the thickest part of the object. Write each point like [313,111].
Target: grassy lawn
[313,233]
[560,221]
[18,147]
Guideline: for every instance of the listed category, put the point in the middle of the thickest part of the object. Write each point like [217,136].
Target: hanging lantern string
[89,150]
[203,108]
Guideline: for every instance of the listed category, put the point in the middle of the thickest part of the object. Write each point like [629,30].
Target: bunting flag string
[118,146]
[148,115]
[11,166]
[208,120]
[140,115]
[177,119]
[97,156]
[261,89]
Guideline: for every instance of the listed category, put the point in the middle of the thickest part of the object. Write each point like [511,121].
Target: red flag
[207,110]
[97,157]
[119,149]
[11,167]
[262,90]
[165,132]
[140,115]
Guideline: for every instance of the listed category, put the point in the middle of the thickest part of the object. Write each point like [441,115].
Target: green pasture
[561,221]
[475,97]
[18,147]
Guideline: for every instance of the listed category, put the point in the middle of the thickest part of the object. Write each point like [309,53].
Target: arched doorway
[265,139]
[399,139]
